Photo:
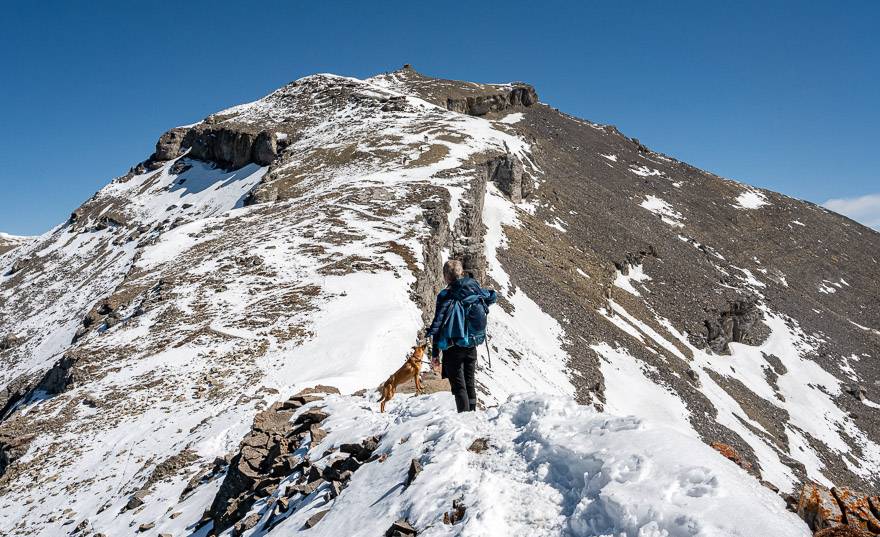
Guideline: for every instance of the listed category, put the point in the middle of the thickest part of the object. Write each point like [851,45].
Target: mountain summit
[195,350]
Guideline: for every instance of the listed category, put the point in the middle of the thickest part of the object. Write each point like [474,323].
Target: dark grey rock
[168,146]
[415,468]
[314,519]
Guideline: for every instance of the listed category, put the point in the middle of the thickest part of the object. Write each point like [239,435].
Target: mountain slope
[297,240]
[9,242]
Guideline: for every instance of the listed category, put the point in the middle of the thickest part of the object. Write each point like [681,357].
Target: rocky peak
[463,97]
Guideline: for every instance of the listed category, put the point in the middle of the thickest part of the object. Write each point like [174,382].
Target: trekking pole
[488,354]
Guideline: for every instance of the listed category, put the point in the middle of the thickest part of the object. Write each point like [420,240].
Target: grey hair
[452,270]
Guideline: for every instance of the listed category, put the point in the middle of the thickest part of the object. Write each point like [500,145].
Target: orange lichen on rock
[729,452]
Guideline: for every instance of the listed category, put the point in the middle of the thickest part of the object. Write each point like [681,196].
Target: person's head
[452,270]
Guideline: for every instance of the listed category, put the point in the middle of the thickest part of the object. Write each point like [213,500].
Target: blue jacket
[456,322]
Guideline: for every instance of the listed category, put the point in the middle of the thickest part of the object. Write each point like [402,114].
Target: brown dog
[409,370]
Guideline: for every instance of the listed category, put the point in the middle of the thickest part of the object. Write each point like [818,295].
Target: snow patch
[644,171]
[636,274]
[666,212]
[510,119]
[751,199]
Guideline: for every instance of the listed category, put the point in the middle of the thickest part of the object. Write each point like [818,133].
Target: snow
[630,392]
[807,390]
[749,279]
[751,199]
[664,210]
[377,318]
[807,393]
[644,171]
[830,287]
[552,468]
[612,158]
[206,190]
[865,328]
[528,343]
[14,238]
[557,224]
[636,274]
[510,119]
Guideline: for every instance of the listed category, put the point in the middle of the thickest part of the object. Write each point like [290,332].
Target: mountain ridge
[218,277]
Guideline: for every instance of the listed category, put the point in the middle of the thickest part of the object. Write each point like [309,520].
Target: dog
[409,370]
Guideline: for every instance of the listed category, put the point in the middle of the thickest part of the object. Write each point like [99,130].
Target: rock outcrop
[228,145]
[169,145]
[507,173]
[739,322]
[26,388]
[231,146]
[264,457]
[505,97]
[12,448]
[831,510]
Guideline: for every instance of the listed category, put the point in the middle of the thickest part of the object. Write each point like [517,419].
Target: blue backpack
[461,315]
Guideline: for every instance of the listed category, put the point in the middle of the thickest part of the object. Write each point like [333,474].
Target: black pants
[459,365]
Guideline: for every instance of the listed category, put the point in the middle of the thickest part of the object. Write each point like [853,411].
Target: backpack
[465,321]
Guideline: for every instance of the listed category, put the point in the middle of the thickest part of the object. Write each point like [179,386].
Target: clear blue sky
[783,95]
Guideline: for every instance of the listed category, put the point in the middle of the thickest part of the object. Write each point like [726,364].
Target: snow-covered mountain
[151,344]
[9,242]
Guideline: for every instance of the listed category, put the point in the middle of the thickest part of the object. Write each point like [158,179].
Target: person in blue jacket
[459,326]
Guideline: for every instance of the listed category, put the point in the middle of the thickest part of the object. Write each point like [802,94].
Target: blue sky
[783,95]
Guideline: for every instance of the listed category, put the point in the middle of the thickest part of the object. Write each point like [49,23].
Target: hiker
[459,326]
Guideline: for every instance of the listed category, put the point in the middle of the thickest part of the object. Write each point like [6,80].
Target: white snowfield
[553,467]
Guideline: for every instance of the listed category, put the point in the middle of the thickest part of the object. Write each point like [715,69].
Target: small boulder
[457,514]
[859,392]
[401,528]
[415,468]
[479,445]
[313,415]
[314,519]
[249,522]
[136,500]
[305,488]
[335,489]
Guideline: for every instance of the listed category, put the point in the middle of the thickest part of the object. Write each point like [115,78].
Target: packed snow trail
[552,468]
